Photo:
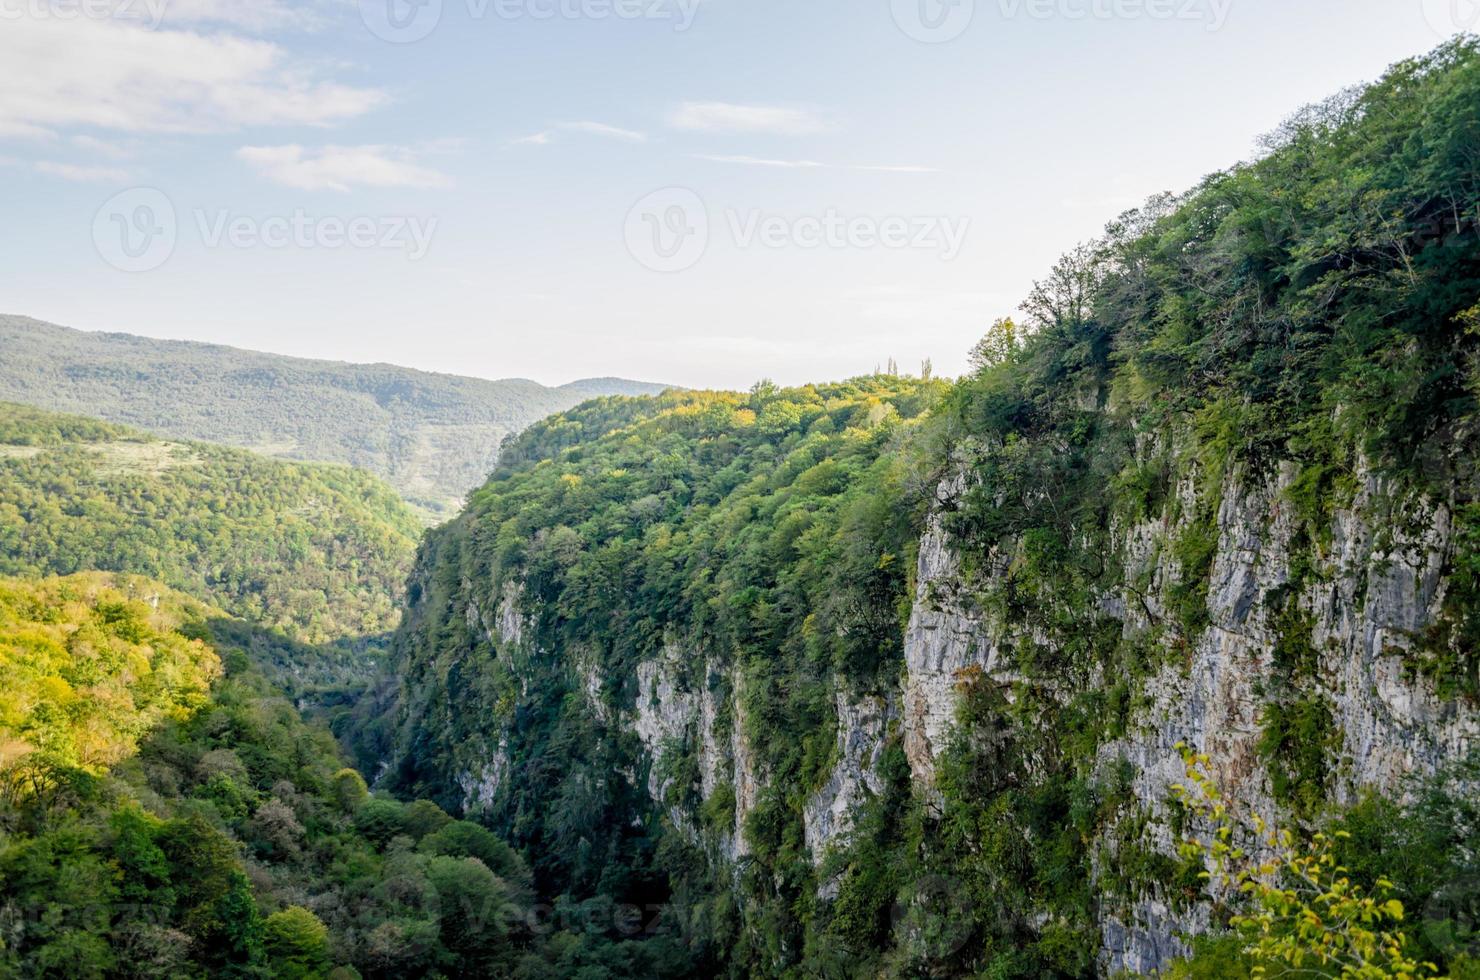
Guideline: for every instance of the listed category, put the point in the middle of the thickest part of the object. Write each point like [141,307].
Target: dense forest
[316,553]
[635,652]
[431,436]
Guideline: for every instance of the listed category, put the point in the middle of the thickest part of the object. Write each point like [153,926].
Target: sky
[699,192]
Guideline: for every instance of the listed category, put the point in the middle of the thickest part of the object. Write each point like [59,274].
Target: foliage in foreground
[234,843]
[1300,911]
[90,664]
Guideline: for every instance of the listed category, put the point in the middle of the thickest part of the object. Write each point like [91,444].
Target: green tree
[297,944]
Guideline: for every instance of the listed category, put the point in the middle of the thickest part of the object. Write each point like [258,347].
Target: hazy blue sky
[698,191]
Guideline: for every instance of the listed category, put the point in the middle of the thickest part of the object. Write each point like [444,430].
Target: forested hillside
[431,436]
[309,559]
[319,552]
[896,678]
[155,825]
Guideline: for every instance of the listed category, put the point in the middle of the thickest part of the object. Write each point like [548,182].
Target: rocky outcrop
[1362,588]
[1366,621]
[1374,585]
[510,621]
[946,635]
[672,717]
[863,734]
[1147,936]
[480,788]
[665,715]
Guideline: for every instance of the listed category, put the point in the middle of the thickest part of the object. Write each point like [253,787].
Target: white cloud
[251,15]
[15,129]
[809,164]
[72,171]
[761,162]
[602,129]
[895,170]
[338,168]
[113,75]
[713,117]
[103,148]
[589,128]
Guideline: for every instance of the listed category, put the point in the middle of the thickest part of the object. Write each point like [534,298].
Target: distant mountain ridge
[431,436]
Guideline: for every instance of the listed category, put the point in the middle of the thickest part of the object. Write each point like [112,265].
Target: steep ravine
[889,677]
[1377,585]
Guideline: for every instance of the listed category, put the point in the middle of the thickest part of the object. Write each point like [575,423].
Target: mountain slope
[91,664]
[156,824]
[317,552]
[431,436]
[855,690]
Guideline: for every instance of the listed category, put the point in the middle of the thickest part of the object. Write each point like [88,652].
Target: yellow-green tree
[1300,912]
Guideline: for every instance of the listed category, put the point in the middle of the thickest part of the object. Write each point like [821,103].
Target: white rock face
[1145,940]
[510,622]
[665,714]
[1377,584]
[746,770]
[1391,726]
[481,787]
[944,637]
[863,731]
[670,716]
[505,630]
